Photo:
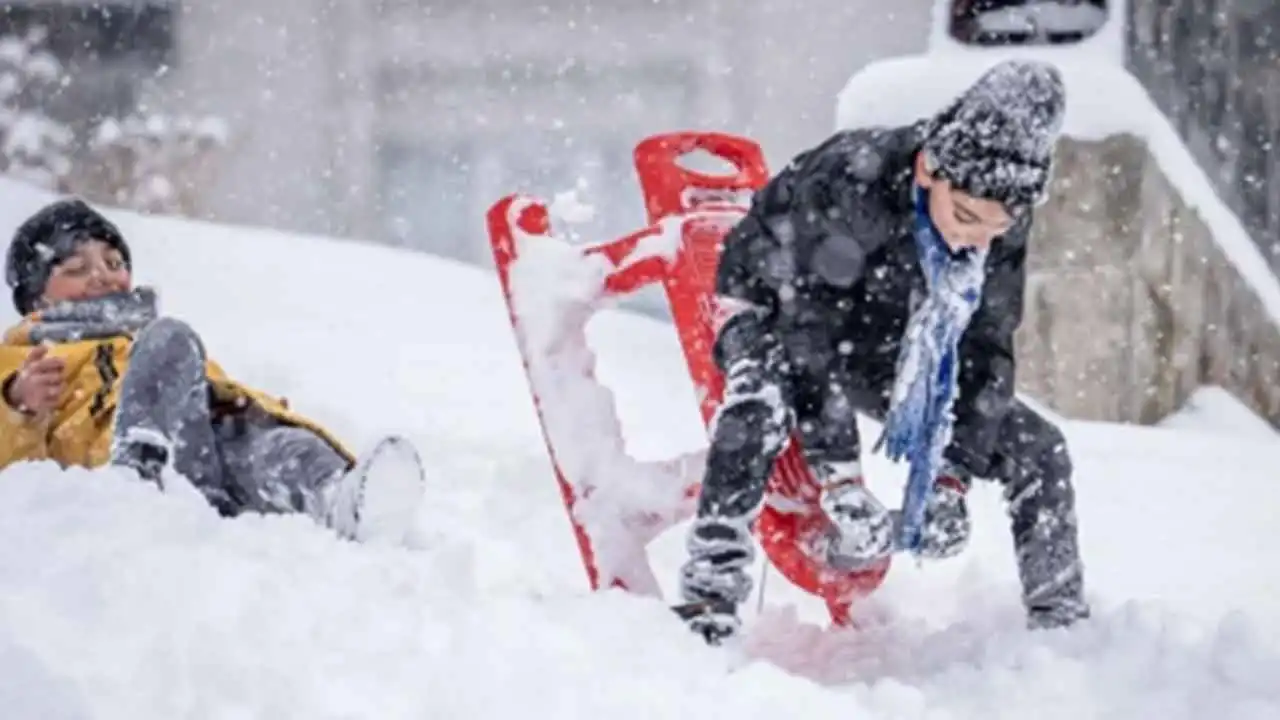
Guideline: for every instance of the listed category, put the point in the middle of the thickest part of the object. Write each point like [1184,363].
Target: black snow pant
[242,460]
[762,406]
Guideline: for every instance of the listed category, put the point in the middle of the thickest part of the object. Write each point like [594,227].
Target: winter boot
[715,620]
[380,497]
[1057,615]
[714,580]
[861,526]
[143,451]
[946,527]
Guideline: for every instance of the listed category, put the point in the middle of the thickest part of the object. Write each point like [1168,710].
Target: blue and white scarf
[919,421]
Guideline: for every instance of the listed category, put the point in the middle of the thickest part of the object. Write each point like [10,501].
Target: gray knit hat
[995,141]
[47,238]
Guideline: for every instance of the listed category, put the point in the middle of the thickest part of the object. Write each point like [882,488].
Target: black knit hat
[49,237]
[995,141]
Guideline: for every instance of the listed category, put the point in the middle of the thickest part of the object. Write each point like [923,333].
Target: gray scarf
[104,317]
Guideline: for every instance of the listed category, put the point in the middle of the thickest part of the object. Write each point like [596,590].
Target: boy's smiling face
[94,269]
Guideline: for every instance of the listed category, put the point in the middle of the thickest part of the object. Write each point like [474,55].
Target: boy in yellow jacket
[93,375]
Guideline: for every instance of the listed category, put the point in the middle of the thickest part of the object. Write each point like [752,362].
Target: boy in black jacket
[883,272]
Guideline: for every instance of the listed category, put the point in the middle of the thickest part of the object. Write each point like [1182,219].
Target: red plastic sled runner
[689,214]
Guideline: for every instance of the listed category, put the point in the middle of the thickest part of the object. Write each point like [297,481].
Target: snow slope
[1213,408]
[118,602]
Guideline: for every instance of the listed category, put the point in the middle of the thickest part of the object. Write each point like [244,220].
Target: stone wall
[1130,304]
[1213,68]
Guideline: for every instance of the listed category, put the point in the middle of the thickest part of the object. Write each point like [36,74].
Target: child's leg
[1034,464]
[164,403]
[278,469]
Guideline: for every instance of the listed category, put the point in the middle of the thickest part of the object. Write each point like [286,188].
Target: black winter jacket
[827,260]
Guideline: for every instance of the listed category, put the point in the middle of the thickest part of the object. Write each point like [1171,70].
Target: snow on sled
[617,505]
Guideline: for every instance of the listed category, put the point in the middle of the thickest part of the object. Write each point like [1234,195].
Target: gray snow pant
[757,415]
[243,461]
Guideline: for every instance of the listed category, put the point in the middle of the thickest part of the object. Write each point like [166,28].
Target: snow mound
[137,604]
[157,608]
[1214,409]
[1135,662]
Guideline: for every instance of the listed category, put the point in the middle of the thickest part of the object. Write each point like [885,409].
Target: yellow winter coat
[78,432]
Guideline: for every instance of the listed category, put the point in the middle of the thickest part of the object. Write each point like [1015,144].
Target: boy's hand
[38,384]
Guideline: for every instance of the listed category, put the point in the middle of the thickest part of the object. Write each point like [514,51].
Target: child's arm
[800,235]
[783,270]
[23,435]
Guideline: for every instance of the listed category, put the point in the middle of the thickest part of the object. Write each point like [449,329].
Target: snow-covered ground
[1214,409]
[119,602]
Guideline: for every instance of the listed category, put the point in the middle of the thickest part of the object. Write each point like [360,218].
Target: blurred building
[400,121]
[113,51]
[1213,66]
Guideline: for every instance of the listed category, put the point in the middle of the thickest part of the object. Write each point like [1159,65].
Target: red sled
[617,505]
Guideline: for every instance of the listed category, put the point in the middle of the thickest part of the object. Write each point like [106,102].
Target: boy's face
[963,220]
[95,269]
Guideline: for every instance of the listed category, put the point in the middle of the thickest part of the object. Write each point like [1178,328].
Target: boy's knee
[168,337]
[1037,462]
[1048,450]
[1057,457]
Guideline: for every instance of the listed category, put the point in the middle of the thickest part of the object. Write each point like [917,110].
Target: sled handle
[665,183]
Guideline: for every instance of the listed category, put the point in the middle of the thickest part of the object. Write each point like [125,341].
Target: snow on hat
[995,141]
[47,238]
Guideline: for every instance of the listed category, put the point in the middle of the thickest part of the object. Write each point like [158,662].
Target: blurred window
[1025,22]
